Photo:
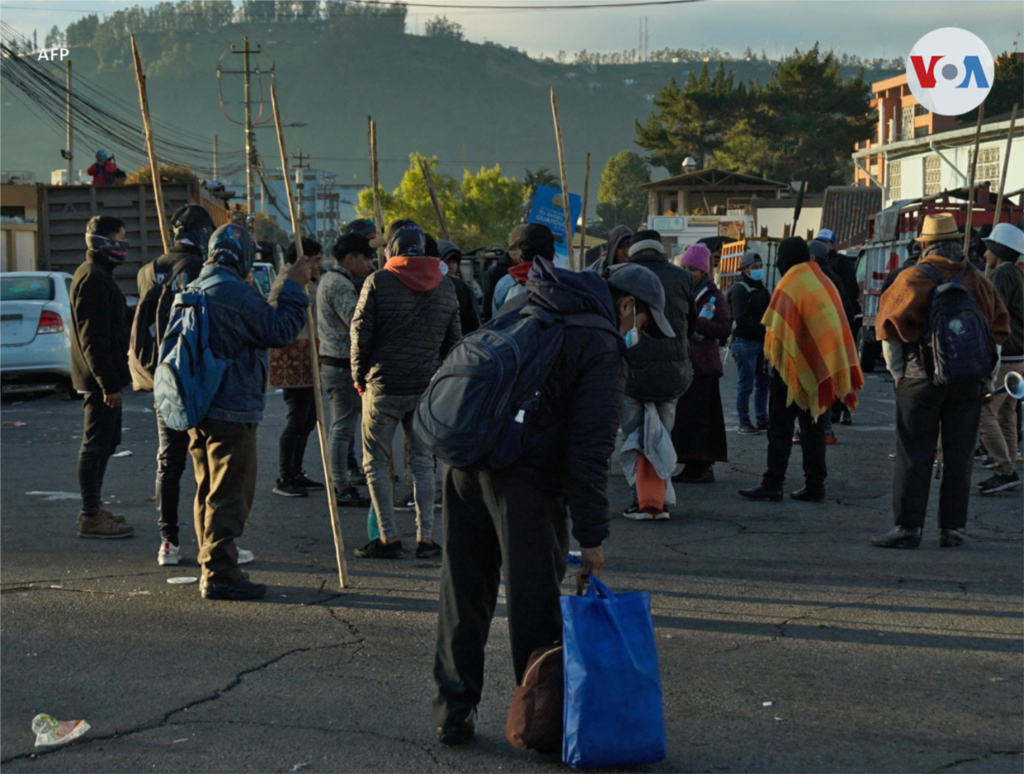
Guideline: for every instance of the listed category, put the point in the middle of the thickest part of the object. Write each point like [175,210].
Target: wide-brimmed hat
[939,228]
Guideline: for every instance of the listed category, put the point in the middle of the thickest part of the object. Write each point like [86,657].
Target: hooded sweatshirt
[615,238]
[405,323]
[572,434]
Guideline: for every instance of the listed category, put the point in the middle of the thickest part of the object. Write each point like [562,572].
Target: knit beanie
[698,257]
[792,250]
[644,241]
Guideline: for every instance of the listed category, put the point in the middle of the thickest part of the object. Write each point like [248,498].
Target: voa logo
[950,71]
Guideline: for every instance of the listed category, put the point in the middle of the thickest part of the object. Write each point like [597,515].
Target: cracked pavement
[786,643]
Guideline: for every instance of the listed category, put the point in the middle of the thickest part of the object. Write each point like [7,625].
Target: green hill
[470,104]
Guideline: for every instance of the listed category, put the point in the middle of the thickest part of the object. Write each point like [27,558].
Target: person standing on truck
[999,416]
[924,409]
[99,368]
[103,170]
[748,300]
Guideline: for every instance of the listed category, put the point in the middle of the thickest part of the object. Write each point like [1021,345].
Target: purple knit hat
[697,257]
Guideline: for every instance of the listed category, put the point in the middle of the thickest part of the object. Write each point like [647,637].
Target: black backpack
[151,318]
[957,345]
[475,414]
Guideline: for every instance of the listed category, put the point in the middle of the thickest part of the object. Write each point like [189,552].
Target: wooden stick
[1006,166]
[565,180]
[158,191]
[970,187]
[433,197]
[583,214]
[378,215]
[325,456]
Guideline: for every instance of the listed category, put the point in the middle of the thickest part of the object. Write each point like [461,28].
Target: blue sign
[547,209]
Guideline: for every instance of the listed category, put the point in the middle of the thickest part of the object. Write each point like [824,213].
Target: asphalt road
[786,642]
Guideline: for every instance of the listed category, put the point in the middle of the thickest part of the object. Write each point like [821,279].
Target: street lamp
[689,165]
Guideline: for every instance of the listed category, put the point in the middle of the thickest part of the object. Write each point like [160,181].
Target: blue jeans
[753,378]
[346,411]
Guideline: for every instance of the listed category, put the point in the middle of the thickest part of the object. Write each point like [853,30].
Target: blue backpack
[957,344]
[475,413]
[188,374]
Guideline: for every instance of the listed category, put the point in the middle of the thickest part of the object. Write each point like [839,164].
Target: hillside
[472,105]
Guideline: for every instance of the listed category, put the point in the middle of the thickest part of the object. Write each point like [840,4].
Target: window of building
[988,166]
[894,178]
[908,123]
[932,175]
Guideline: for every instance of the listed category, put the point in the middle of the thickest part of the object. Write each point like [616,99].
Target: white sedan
[35,330]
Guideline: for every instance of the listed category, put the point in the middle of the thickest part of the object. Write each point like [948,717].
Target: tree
[479,212]
[542,176]
[266,229]
[1006,88]
[691,120]
[443,27]
[810,118]
[81,32]
[169,173]
[620,199]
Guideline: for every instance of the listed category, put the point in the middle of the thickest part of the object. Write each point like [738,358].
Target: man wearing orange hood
[405,323]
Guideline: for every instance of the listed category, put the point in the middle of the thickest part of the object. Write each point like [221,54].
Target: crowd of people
[648,362]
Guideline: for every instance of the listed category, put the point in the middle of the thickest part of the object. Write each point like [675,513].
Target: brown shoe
[116,517]
[102,526]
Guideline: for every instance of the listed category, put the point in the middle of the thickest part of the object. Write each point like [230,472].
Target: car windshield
[26,289]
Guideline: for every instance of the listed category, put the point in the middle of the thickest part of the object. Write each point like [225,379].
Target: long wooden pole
[325,456]
[970,186]
[433,197]
[565,180]
[583,215]
[158,191]
[1006,167]
[378,215]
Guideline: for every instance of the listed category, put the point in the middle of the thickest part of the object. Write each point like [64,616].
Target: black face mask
[111,249]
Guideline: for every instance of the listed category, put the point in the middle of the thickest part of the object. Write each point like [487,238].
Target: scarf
[521,271]
[808,341]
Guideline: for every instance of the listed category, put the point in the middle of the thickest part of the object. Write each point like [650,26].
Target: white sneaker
[244,557]
[663,516]
[168,554]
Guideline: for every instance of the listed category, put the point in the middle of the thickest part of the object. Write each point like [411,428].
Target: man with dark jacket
[840,264]
[99,368]
[500,268]
[617,250]
[1004,246]
[660,370]
[406,321]
[516,518]
[451,256]
[178,267]
[242,326]
[748,300]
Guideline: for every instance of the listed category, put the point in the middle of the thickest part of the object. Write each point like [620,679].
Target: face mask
[632,336]
[757,274]
[113,250]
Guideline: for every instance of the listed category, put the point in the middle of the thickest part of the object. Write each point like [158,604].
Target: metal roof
[846,209]
[715,178]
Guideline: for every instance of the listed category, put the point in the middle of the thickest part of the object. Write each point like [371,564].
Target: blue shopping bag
[613,708]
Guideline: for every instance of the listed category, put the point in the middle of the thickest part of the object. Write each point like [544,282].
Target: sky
[868,28]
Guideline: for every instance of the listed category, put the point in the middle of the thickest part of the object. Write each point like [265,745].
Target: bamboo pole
[158,191]
[1006,166]
[565,180]
[433,197]
[325,456]
[583,214]
[378,215]
[970,186]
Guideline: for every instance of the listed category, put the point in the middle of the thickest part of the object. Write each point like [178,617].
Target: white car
[35,330]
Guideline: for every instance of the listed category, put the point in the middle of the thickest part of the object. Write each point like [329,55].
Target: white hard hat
[1008,236]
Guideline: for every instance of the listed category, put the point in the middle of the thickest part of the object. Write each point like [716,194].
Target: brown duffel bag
[535,717]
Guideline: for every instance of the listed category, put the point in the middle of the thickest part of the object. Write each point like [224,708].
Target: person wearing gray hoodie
[619,239]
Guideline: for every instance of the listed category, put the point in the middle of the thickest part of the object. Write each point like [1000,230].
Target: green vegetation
[800,125]
[620,199]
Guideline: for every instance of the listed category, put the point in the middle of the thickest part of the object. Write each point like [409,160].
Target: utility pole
[70,139]
[215,177]
[250,138]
